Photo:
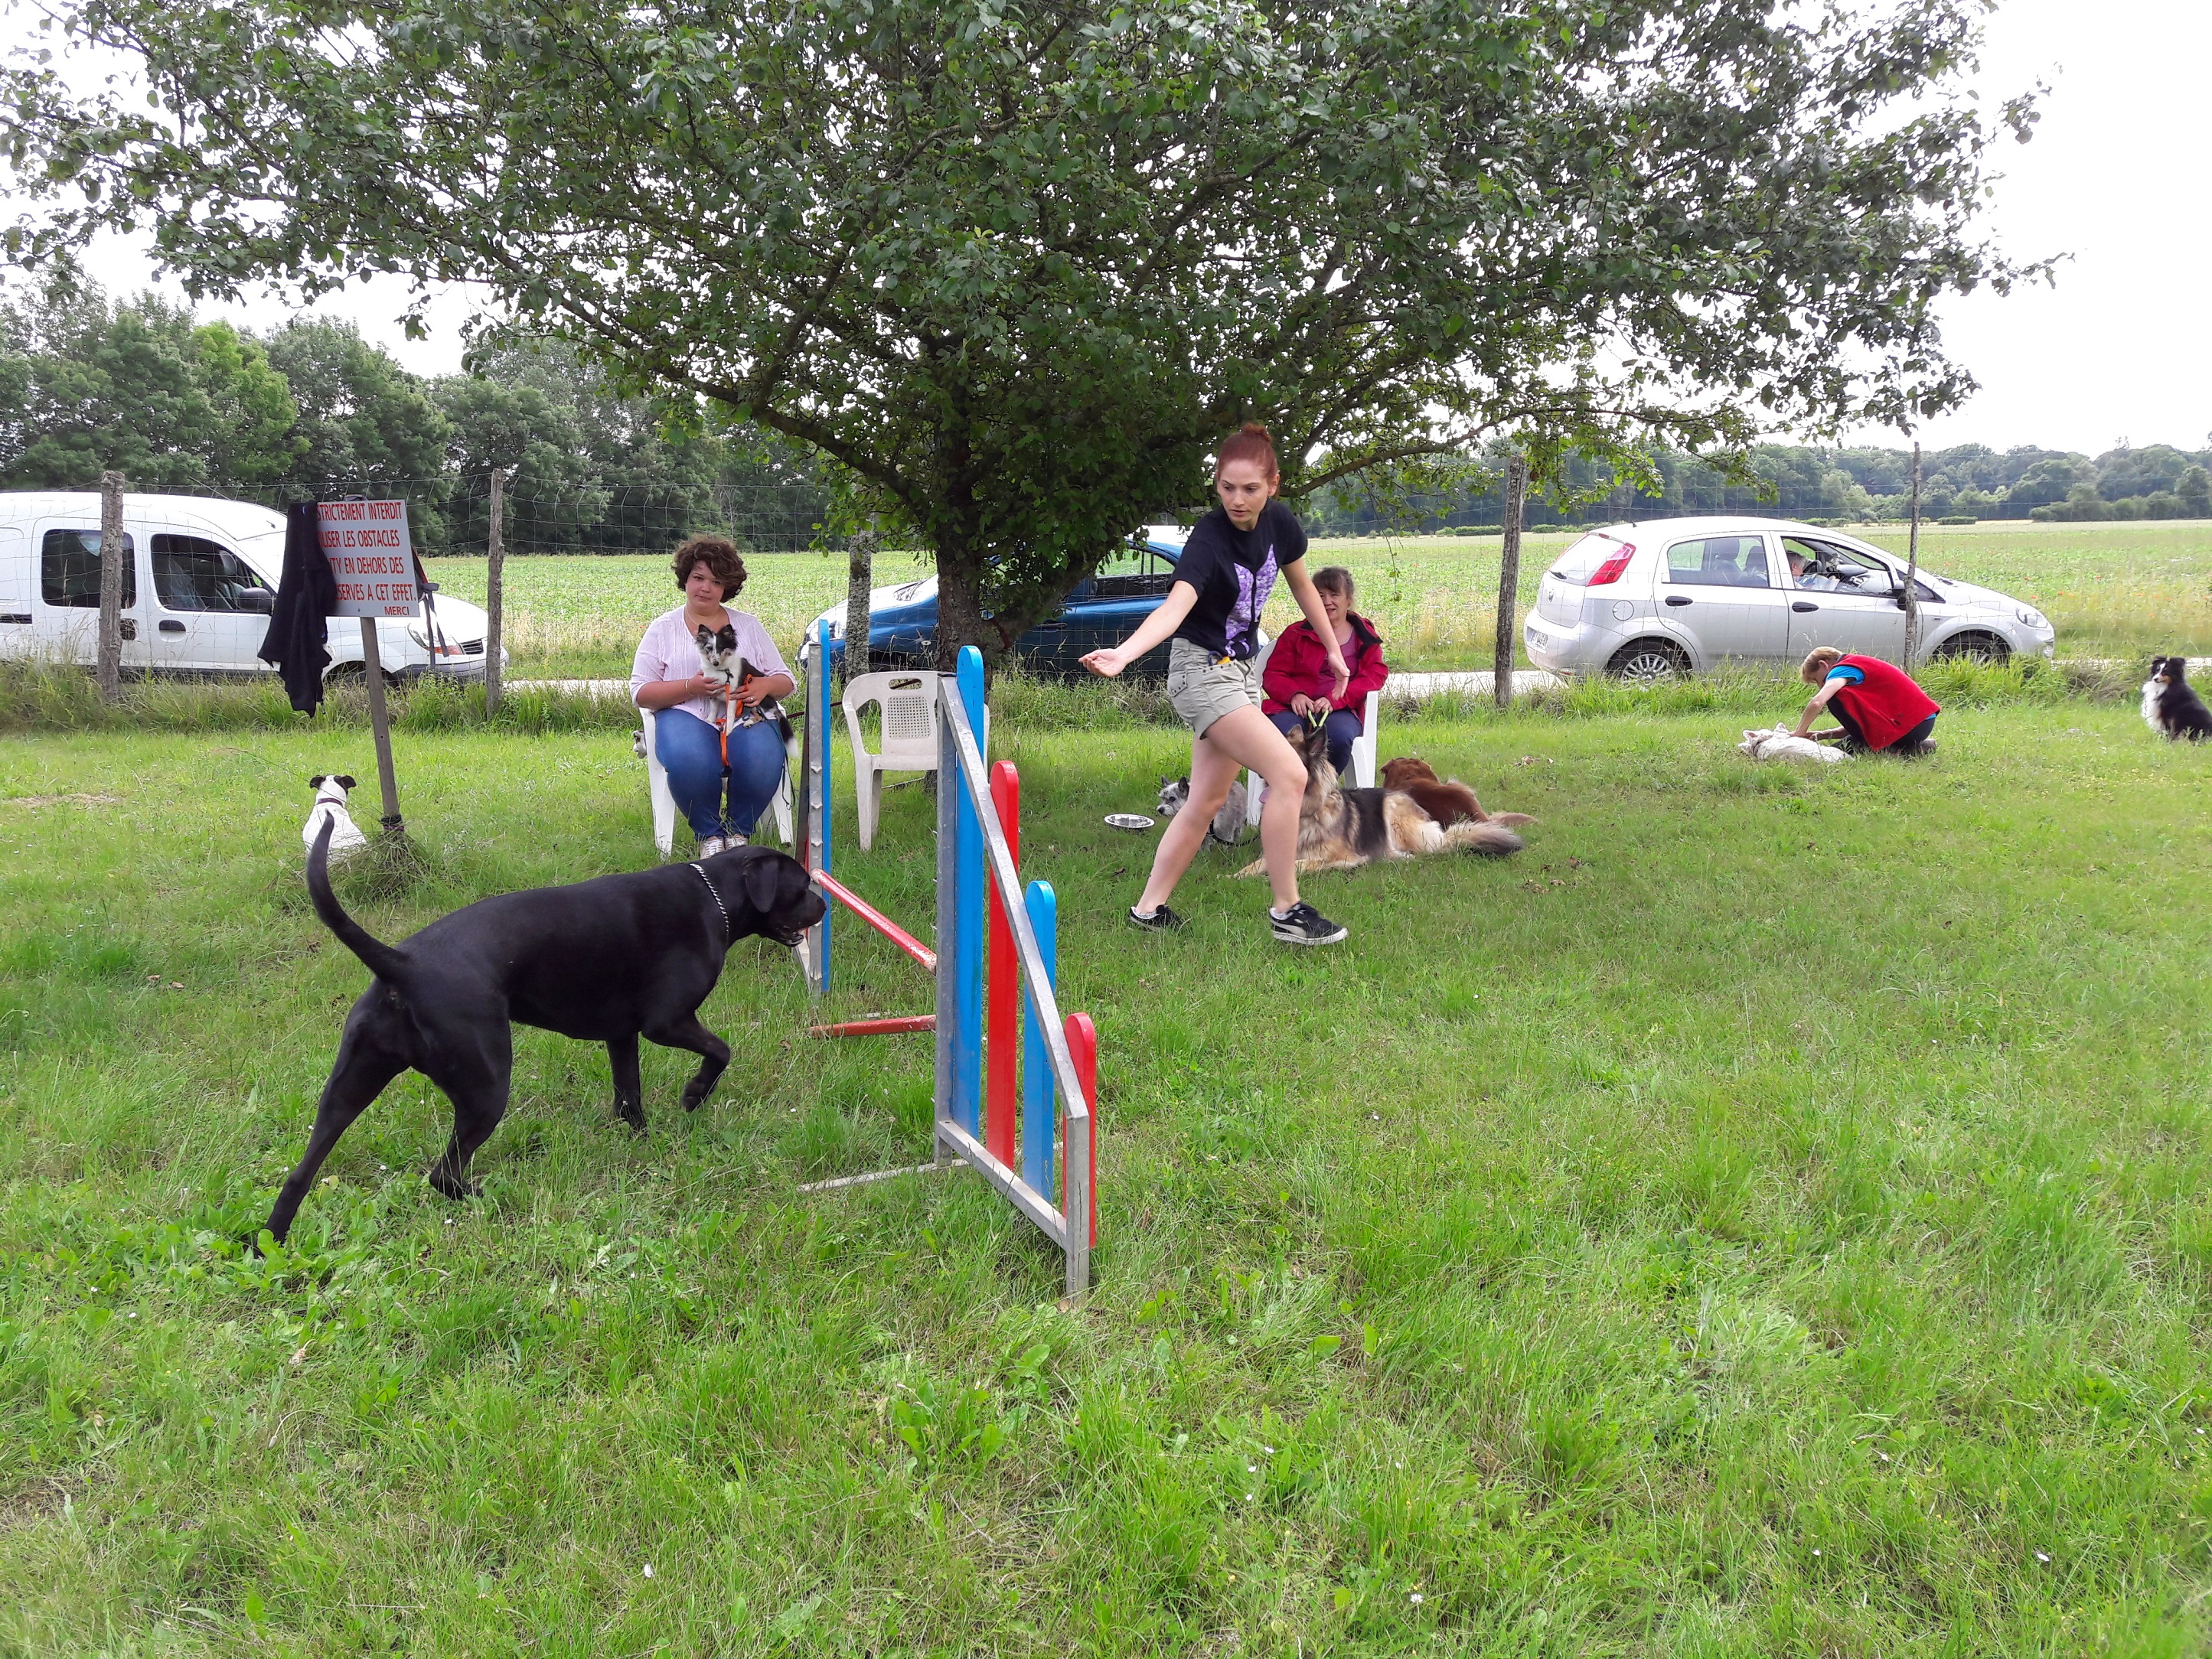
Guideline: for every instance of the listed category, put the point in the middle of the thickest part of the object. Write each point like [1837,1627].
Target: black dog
[605,961]
[2171,706]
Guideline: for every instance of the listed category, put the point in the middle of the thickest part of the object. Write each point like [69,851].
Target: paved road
[1479,684]
[1472,682]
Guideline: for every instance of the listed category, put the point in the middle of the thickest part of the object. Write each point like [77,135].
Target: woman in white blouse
[688,711]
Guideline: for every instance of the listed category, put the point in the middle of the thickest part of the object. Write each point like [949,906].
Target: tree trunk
[1509,579]
[495,593]
[960,619]
[860,577]
[113,557]
[1912,571]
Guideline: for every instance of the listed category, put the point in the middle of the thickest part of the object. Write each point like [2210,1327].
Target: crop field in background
[1769,1217]
[2113,590]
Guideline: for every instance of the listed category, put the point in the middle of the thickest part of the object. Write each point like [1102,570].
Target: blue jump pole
[968,923]
[817,818]
[1037,1093]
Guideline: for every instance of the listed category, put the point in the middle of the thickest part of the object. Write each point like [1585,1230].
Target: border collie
[2170,707]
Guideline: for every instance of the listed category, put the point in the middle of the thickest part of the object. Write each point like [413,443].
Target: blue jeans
[691,752]
[1343,727]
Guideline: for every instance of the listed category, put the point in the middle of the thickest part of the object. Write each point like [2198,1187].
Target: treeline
[313,409]
[1970,481]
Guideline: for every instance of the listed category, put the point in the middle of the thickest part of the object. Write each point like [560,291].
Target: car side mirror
[259,600]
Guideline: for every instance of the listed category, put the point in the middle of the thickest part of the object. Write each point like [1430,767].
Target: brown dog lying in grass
[1445,800]
[1344,829]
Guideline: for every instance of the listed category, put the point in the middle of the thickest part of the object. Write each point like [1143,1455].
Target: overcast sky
[2120,350]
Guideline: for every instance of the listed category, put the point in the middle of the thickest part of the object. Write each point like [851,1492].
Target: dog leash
[718,901]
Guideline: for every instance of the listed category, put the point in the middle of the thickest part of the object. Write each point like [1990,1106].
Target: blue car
[1101,611]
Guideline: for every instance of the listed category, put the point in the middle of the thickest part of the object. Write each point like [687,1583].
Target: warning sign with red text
[371,558]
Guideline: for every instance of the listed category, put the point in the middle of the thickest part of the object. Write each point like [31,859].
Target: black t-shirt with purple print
[1234,571]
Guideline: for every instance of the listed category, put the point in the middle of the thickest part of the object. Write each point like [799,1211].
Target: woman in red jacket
[1297,680]
[1878,706]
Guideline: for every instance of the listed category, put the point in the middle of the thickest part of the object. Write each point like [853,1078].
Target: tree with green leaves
[1015,264]
[140,388]
[361,415]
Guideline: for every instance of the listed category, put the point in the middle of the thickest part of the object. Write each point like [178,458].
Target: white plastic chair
[663,801]
[909,734]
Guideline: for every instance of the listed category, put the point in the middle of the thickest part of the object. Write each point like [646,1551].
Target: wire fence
[450,514]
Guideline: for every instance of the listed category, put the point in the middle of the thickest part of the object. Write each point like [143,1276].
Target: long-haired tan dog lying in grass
[1344,829]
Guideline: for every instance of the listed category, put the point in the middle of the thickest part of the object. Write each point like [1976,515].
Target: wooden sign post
[373,561]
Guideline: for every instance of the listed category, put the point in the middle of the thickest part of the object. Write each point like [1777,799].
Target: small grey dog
[1228,827]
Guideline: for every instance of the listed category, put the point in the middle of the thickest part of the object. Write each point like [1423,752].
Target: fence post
[114,558]
[1508,579]
[494,593]
[1038,1124]
[1911,600]
[859,574]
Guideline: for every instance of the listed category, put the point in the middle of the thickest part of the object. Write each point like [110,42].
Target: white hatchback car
[1678,596]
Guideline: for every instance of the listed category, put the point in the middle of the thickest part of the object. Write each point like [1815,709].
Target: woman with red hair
[1223,577]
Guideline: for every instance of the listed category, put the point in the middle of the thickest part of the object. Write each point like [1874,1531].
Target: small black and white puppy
[331,807]
[2170,707]
[719,662]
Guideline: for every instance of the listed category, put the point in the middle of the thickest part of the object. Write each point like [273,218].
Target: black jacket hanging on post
[306,595]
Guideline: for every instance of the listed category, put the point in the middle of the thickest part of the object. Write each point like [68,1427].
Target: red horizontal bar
[876,919]
[876,1027]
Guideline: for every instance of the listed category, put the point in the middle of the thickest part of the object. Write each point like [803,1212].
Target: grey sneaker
[1162,921]
[712,845]
[1304,925]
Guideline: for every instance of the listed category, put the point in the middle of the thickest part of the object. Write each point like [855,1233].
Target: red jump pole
[1083,1050]
[876,920]
[1003,988]
[890,1027]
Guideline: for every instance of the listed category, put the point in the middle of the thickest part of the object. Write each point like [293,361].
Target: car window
[1130,573]
[193,574]
[69,569]
[1831,569]
[1584,557]
[1719,561]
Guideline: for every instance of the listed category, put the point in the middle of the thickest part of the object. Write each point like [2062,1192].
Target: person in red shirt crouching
[1296,685]
[1878,707]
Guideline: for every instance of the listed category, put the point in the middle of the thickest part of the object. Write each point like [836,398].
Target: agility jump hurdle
[992,935]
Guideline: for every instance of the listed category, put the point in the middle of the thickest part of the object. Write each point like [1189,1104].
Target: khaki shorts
[1203,688]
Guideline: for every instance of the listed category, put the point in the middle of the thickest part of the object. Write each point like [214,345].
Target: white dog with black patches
[331,805]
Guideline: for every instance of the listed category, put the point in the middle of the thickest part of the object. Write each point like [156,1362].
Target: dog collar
[709,880]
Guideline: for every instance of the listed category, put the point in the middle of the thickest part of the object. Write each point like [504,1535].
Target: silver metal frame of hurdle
[960,767]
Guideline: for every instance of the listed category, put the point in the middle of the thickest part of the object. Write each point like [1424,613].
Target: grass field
[1769,1217]
[2113,590]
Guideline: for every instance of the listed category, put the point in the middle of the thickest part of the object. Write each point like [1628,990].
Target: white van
[195,595]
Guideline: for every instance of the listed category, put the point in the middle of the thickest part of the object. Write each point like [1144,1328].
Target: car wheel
[344,675]
[1649,662]
[1979,647]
